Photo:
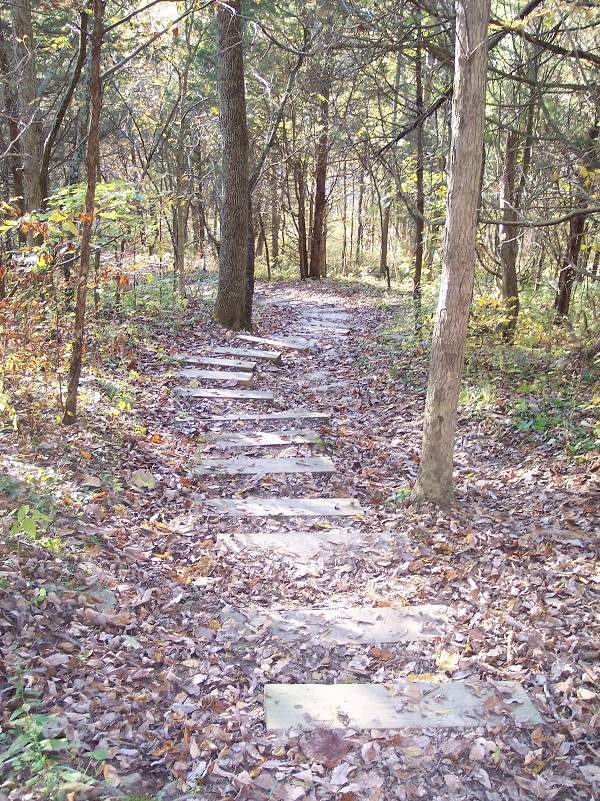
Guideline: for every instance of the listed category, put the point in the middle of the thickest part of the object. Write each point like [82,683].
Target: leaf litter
[125,626]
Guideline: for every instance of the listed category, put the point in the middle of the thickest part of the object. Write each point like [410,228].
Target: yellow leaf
[447,661]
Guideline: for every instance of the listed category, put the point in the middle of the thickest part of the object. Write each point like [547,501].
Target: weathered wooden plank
[289,343]
[226,394]
[264,438]
[215,361]
[245,379]
[249,466]
[291,414]
[400,705]
[357,626]
[285,507]
[266,355]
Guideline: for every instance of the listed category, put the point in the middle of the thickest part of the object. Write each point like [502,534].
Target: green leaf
[29,526]
[69,227]
[99,754]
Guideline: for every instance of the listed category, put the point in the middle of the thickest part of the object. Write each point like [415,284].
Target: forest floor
[124,668]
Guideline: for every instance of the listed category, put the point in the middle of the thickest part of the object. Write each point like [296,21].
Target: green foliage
[28,521]
[7,411]
[31,757]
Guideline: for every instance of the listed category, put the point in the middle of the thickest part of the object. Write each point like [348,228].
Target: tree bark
[566,276]
[300,185]
[275,220]
[92,168]
[30,131]
[12,115]
[434,481]
[230,306]
[317,243]
[420,204]
[509,239]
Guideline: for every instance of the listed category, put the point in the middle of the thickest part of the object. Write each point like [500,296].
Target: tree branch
[542,223]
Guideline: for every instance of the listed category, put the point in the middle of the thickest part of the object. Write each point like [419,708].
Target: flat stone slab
[285,507]
[215,361]
[302,546]
[400,705]
[291,414]
[327,317]
[216,375]
[265,438]
[313,329]
[248,466]
[291,343]
[266,355]
[226,394]
[357,626]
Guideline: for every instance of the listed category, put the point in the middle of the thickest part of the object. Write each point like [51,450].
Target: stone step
[215,361]
[404,704]
[355,626]
[226,394]
[285,507]
[250,466]
[264,439]
[312,330]
[328,318]
[194,373]
[285,343]
[291,414]
[303,546]
[265,355]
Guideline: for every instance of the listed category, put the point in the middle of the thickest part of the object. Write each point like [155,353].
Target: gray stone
[358,626]
[264,438]
[303,546]
[226,394]
[400,705]
[289,343]
[215,361]
[285,507]
[266,355]
[216,375]
[249,466]
[291,414]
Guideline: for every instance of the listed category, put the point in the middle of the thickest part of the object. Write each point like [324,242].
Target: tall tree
[434,481]
[92,165]
[30,134]
[230,306]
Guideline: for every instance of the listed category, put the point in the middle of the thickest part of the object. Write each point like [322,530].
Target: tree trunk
[566,276]
[230,306]
[30,143]
[317,243]
[92,167]
[420,217]
[359,218]
[275,221]
[509,239]
[250,263]
[434,481]
[300,184]
[384,268]
[12,114]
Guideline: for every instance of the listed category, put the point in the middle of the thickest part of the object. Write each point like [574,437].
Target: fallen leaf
[325,747]
[143,479]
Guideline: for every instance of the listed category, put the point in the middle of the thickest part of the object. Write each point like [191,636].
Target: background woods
[403,199]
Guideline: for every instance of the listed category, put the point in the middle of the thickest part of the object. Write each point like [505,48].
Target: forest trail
[262,618]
